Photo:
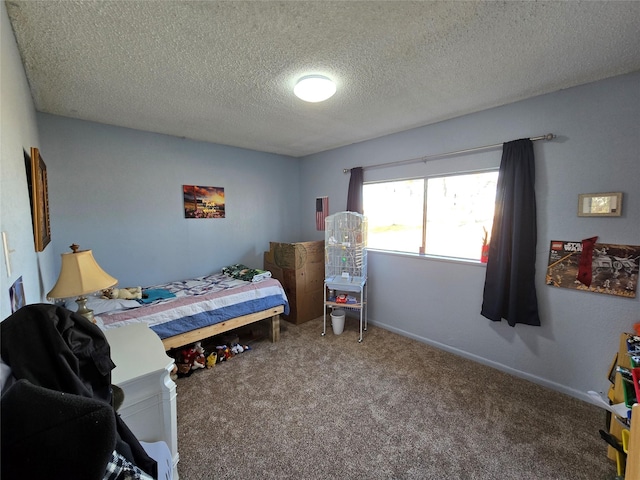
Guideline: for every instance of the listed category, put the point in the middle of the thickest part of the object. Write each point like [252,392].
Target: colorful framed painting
[39,196]
[203,202]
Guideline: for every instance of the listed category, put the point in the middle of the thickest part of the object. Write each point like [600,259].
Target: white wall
[438,302]
[118,192]
[18,133]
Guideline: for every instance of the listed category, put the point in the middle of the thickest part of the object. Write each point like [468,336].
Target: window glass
[445,216]
[394,212]
[459,208]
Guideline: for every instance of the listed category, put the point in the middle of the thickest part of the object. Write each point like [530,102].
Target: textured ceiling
[223,72]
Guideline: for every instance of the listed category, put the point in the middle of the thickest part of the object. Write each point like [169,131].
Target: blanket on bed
[200,302]
[150,295]
[242,272]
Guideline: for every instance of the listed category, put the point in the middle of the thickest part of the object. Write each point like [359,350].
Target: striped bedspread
[198,303]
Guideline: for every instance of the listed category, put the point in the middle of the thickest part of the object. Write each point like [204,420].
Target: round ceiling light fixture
[314,88]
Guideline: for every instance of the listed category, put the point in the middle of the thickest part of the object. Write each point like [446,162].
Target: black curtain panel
[354,196]
[509,288]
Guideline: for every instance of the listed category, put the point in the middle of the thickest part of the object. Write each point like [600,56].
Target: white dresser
[143,372]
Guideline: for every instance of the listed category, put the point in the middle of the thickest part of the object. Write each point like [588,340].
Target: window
[444,216]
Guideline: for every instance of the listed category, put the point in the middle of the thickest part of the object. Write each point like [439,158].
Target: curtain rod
[548,136]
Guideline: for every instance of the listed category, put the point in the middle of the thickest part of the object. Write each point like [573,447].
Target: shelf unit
[346,264]
[629,470]
[359,287]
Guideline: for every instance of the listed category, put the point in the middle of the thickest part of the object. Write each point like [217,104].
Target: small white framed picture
[600,204]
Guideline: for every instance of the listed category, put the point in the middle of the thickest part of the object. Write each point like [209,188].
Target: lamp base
[83,310]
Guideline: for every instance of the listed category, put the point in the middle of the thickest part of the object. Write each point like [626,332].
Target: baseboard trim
[498,366]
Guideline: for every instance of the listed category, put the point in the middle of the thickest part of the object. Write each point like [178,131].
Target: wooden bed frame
[193,336]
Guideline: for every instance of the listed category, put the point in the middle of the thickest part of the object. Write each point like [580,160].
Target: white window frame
[423,248]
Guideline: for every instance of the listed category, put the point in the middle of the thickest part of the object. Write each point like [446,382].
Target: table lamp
[80,275]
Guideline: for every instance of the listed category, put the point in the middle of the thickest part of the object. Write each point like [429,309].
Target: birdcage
[345,247]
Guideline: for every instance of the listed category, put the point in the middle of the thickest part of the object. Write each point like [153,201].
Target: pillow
[102,305]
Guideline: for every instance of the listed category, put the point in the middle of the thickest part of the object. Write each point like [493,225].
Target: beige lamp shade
[80,274]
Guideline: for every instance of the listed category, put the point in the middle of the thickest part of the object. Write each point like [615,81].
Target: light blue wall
[118,192]
[18,133]
[598,126]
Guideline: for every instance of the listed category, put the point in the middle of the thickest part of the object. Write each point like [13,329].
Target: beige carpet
[313,407]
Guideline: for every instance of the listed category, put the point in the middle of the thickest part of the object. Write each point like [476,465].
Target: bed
[187,311]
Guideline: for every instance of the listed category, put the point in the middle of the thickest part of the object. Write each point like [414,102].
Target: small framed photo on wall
[16,294]
[600,204]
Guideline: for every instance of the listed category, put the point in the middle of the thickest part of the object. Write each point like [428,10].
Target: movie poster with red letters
[614,268]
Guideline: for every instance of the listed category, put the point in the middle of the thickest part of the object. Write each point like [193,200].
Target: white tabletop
[136,350]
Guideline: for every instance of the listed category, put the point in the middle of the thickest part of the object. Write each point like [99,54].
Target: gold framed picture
[39,196]
[600,204]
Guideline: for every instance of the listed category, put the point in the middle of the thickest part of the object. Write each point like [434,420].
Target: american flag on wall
[322,210]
